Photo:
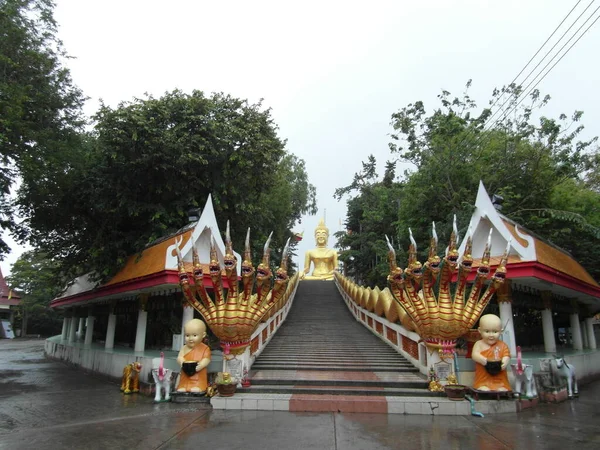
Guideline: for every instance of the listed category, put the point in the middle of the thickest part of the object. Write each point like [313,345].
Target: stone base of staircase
[434,406]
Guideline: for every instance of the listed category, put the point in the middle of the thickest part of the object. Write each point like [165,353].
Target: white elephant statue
[162,378]
[524,379]
[523,374]
[561,370]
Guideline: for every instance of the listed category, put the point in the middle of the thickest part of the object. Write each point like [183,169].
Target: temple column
[80,328]
[65,328]
[89,328]
[584,336]
[504,297]
[109,342]
[140,332]
[575,328]
[188,314]
[589,331]
[73,328]
[547,323]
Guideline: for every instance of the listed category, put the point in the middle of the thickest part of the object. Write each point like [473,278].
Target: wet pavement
[49,405]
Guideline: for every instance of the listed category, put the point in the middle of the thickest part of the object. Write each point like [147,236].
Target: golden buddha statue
[324,259]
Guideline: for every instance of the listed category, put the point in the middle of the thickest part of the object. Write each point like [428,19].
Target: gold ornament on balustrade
[235,317]
[439,318]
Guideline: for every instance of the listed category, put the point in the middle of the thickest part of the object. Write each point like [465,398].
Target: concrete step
[370,368]
[340,390]
[428,406]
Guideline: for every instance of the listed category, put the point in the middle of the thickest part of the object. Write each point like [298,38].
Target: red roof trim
[541,271]
[12,302]
[148,281]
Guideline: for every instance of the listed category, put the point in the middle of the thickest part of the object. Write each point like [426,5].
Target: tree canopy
[37,279]
[89,199]
[546,176]
[149,161]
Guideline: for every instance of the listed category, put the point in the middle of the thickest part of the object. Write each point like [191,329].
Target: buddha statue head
[321,234]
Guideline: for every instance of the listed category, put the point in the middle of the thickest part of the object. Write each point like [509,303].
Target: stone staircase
[323,360]
[322,354]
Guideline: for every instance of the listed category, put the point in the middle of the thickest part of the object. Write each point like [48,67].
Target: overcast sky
[332,72]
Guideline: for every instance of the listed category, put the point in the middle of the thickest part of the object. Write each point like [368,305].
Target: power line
[562,56]
[487,125]
[545,56]
[544,44]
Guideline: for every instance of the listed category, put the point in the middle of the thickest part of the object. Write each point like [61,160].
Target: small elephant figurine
[162,378]
[523,374]
[131,378]
[561,370]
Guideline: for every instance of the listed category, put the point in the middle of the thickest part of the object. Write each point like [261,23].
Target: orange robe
[494,382]
[199,379]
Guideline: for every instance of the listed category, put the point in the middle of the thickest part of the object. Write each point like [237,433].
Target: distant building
[9,304]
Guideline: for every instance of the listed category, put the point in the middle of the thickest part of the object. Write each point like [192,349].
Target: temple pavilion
[141,306]
[549,300]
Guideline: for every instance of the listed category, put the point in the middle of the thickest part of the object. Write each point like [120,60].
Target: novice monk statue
[491,355]
[324,259]
[194,351]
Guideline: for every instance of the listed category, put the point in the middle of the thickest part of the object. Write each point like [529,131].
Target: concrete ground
[48,405]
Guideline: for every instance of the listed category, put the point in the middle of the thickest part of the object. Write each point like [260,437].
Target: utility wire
[562,56]
[472,132]
[545,56]
[543,45]
[487,125]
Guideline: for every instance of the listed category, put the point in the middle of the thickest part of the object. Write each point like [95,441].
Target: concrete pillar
[73,329]
[80,328]
[576,330]
[506,316]
[188,314]
[584,337]
[548,324]
[89,329]
[589,331]
[140,332]
[65,329]
[109,342]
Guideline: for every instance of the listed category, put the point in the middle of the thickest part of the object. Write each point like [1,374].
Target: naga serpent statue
[234,317]
[440,319]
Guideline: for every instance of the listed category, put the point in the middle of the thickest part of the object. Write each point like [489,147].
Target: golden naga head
[466,261]
[433,260]
[247,267]
[414,270]
[396,275]
[235,319]
[500,273]
[229,260]
[263,271]
[452,257]
[214,268]
[184,279]
[484,267]
[281,275]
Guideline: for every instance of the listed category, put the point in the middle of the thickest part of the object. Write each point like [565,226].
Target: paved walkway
[48,405]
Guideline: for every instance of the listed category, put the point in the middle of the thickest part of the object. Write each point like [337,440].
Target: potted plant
[226,385]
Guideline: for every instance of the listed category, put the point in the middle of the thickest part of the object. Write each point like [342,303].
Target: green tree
[37,279]
[40,108]
[372,214]
[547,177]
[149,160]
[533,164]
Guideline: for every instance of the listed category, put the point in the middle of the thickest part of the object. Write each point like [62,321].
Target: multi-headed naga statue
[441,319]
[233,318]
